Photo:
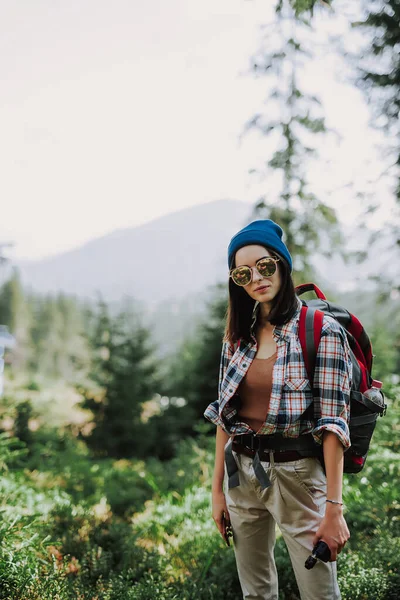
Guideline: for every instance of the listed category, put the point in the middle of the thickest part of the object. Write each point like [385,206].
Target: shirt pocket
[296,385]
[296,397]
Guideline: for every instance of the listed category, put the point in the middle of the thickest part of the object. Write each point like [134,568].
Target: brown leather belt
[285,456]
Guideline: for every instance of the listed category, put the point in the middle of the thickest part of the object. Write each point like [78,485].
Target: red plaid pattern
[291,393]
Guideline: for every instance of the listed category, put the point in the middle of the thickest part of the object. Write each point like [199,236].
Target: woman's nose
[255,274]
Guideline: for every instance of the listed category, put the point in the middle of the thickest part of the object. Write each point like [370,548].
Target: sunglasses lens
[241,275]
[266,267]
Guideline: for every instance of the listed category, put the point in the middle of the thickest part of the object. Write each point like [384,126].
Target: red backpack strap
[310,287]
[310,327]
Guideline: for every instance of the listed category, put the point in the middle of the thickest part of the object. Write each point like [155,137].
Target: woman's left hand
[333,530]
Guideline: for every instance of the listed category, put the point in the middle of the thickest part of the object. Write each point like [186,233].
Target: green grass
[75,528]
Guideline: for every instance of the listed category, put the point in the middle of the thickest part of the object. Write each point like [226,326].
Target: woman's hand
[219,509]
[333,530]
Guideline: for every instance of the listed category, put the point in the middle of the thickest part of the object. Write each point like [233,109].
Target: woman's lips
[262,288]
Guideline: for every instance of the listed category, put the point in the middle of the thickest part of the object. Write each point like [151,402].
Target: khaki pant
[296,502]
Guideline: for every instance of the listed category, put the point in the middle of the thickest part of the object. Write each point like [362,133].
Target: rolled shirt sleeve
[332,383]
[212,411]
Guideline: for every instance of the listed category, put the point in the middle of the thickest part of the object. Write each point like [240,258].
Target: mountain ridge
[108,264]
[168,258]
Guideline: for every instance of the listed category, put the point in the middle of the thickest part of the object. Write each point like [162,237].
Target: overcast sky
[114,113]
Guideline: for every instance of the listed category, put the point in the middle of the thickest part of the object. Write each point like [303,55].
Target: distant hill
[170,257]
[170,264]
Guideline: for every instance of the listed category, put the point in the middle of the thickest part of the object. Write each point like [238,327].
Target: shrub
[126,487]
[33,386]
[358,581]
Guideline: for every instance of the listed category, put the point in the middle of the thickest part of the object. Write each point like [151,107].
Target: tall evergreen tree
[75,358]
[195,369]
[379,65]
[16,315]
[292,119]
[380,71]
[60,347]
[125,371]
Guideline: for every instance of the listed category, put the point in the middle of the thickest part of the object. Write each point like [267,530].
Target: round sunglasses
[266,266]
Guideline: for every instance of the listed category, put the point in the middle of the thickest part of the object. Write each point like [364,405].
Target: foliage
[380,69]
[195,367]
[75,523]
[58,337]
[305,6]
[65,540]
[12,451]
[24,412]
[15,314]
[289,125]
[125,373]
[49,332]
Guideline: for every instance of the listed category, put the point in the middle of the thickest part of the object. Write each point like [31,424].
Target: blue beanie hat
[264,233]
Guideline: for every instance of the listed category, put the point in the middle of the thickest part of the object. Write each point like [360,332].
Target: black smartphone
[227,529]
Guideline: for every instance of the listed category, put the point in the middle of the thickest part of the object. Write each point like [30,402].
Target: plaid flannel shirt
[291,393]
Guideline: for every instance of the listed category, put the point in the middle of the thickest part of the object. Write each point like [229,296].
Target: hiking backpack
[366,398]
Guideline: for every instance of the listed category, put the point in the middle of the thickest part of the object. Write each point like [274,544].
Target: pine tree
[380,73]
[74,360]
[195,368]
[60,347]
[379,65]
[125,371]
[47,334]
[289,125]
[16,315]
[380,70]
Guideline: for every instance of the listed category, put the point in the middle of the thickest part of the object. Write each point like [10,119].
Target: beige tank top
[255,391]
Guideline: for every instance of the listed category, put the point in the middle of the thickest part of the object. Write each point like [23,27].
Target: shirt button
[244,365]
[230,391]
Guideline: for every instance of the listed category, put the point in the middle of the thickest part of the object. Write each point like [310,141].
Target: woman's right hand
[219,509]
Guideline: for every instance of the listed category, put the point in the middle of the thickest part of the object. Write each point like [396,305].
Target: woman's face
[269,286]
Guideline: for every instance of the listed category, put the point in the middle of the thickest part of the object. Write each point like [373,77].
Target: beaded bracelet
[335,502]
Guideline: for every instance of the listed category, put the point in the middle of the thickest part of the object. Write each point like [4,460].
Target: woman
[271,424]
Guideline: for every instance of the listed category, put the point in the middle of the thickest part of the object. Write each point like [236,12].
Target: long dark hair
[240,306]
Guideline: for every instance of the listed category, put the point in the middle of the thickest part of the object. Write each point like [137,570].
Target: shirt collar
[281,331]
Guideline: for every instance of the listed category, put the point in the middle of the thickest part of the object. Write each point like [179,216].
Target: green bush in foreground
[77,529]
